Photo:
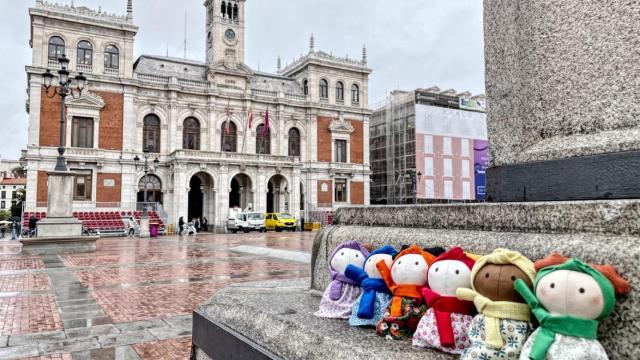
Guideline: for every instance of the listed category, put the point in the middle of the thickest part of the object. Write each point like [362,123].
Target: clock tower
[225,32]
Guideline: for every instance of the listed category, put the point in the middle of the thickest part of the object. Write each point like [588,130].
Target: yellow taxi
[280,221]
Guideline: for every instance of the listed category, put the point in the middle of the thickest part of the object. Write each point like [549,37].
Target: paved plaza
[132,298]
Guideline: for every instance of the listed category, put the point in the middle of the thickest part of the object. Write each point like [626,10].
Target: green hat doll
[571,298]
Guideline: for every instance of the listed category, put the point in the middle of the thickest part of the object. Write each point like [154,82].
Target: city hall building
[205,122]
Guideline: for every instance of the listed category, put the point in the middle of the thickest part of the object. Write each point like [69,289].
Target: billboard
[473,104]
[440,121]
[480,165]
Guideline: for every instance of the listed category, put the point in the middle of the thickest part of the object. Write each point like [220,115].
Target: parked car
[246,222]
[280,221]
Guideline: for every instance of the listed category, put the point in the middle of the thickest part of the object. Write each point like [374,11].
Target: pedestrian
[3,230]
[32,225]
[14,230]
[131,231]
[191,228]
[205,224]
[180,225]
[197,224]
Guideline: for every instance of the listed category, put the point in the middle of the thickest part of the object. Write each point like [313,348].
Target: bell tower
[225,31]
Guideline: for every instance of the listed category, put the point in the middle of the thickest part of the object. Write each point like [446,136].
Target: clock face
[230,34]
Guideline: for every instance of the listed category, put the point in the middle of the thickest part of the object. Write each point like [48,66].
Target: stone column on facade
[181,193]
[129,122]
[262,187]
[31,194]
[224,185]
[35,93]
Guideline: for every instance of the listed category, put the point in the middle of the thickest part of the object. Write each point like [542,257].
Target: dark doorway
[270,208]
[195,198]
[234,195]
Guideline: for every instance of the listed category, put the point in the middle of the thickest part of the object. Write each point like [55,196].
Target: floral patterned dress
[403,326]
[426,336]
[340,308]
[379,308]
[514,333]
[568,348]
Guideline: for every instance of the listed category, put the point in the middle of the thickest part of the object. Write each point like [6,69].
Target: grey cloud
[411,43]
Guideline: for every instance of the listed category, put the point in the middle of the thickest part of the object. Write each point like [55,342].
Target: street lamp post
[63,90]
[144,218]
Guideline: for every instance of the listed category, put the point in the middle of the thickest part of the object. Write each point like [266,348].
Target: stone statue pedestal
[144,227]
[59,232]
[60,221]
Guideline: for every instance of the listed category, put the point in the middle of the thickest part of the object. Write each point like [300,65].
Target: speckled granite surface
[620,333]
[602,217]
[288,328]
[559,70]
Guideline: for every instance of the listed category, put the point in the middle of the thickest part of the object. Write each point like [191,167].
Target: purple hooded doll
[342,292]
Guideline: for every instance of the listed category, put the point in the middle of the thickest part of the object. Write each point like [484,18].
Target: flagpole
[246,128]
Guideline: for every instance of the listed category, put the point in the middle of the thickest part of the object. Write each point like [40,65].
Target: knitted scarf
[442,307]
[370,287]
[400,292]
[550,325]
[493,312]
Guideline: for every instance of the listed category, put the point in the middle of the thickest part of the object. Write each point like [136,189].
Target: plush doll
[405,279]
[376,296]
[445,324]
[570,300]
[504,320]
[342,292]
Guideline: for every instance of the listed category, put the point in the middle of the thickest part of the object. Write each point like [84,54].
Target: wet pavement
[132,298]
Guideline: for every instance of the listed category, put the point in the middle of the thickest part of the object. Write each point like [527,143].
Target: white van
[247,222]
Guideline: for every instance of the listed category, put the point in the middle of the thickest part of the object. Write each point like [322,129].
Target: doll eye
[581,290]
[486,275]
[513,278]
[369,260]
[356,255]
[437,269]
[553,285]
[417,263]
[399,262]
[342,254]
[457,272]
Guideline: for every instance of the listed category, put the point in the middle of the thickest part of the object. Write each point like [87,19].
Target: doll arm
[386,274]
[429,295]
[536,307]
[355,273]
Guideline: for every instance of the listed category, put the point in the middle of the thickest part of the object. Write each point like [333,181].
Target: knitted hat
[505,257]
[457,254]
[415,249]
[386,250]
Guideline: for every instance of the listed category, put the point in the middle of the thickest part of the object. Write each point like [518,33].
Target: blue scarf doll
[369,308]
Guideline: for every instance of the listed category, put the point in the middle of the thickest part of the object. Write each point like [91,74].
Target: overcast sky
[411,43]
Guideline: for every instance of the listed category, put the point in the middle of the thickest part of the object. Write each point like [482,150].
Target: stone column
[60,222]
[562,83]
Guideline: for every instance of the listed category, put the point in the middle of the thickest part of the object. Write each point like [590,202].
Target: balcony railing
[159,79]
[264,93]
[111,71]
[53,64]
[295,97]
[193,83]
[234,157]
[85,68]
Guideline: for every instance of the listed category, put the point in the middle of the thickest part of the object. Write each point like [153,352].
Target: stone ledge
[617,217]
[59,245]
[277,316]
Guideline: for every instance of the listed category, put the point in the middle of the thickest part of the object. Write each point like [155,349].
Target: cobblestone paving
[132,298]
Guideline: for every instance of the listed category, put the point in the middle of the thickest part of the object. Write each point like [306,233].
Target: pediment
[86,101]
[232,68]
[341,127]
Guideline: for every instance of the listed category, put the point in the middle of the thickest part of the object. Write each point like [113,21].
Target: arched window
[154,189]
[223,9]
[229,137]
[151,133]
[324,89]
[111,57]
[305,87]
[85,53]
[229,10]
[294,142]
[56,48]
[355,93]
[263,140]
[191,134]
[235,12]
[339,91]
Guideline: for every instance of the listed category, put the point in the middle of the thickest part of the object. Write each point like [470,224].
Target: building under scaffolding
[423,147]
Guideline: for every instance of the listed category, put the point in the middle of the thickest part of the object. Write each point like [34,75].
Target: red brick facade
[42,192]
[324,139]
[357,193]
[111,120]
[325,198]
[110,194]
[357,139]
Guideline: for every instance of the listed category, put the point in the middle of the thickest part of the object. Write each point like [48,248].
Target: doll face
[370,266]
[410,269]
[566,292]
[497,282]
[345,257]
[447,275]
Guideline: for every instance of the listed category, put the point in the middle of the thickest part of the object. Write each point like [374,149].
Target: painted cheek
[596,301]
